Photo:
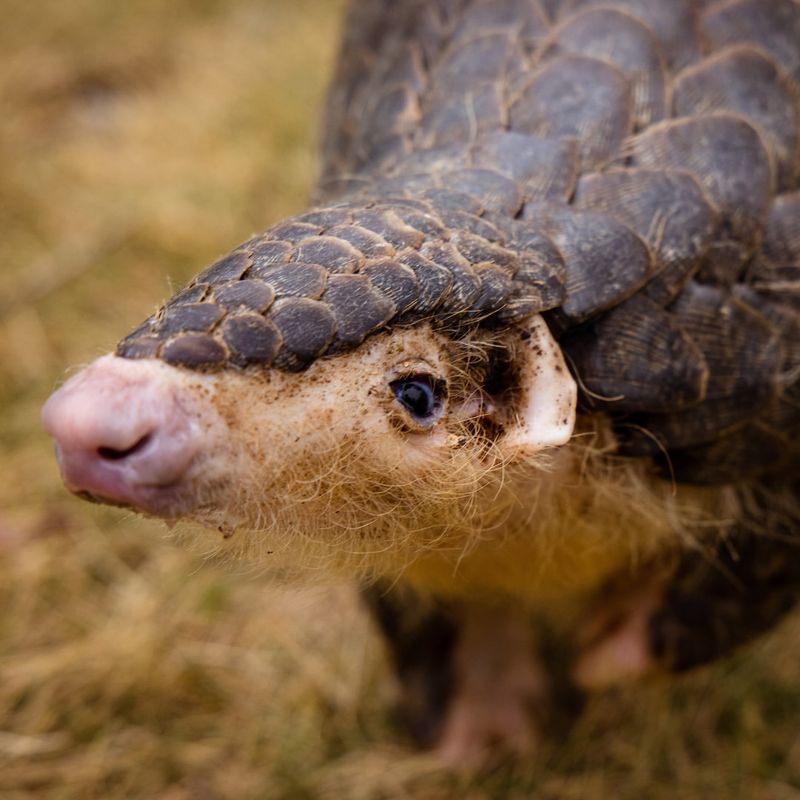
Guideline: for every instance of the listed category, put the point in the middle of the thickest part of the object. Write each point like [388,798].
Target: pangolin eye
[420,395]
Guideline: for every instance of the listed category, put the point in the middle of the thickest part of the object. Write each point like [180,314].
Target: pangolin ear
[546,393]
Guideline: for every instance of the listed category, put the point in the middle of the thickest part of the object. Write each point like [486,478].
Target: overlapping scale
[629,167]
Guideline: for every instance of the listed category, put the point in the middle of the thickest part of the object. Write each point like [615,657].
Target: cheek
[297,439]
[371,439]
[426,450]
[408,459]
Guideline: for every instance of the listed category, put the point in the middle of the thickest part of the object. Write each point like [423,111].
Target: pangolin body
[626,170]
[629,168]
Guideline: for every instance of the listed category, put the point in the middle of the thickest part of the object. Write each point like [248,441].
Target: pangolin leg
[500,688]
[701,608]
[472,682]
[421,637]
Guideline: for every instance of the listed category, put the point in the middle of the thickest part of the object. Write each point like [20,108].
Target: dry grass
[138,141]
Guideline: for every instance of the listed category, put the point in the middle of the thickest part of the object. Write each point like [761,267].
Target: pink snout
[124,433]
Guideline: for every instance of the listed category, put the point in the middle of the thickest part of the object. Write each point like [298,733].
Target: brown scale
[453,118]
[306,327]
[232,267]
[386,224]
[394,113]
[632,353]
[365,244]
[550,8]
[444,200]
[395,281]
[433,280]
[358,307]
[421,219]
[295,280]
[192,350]
[619,39]
[465,285]
[582,98]
[673,23]
[605,261]
[265,254]
[540,264]
[781,247]
[730,159]
[668,209]
[466,224]
[773,26]
[337,253]
[775,273]
[486,161]
[469,62]
[478,250]
[251,339]
[496,192]
[744,354]
[744,80]
[198,317]
[293,231]
[544,169]
[253,295]
[527,20]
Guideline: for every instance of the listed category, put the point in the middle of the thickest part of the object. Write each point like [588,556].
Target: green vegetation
[138,141]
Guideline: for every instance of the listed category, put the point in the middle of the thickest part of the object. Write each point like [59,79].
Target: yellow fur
[319,482]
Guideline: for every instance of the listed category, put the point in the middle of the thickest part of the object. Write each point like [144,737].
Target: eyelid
[410,368]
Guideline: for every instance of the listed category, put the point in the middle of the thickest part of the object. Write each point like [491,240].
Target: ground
[138,141]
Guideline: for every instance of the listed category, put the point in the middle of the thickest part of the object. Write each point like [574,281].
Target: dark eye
[421,396]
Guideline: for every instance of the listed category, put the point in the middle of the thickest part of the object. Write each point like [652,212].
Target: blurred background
[139,141]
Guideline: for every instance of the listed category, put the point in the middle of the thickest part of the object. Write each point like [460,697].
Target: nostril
[112,454]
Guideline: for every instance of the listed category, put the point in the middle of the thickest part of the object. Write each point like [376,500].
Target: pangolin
[532,359]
